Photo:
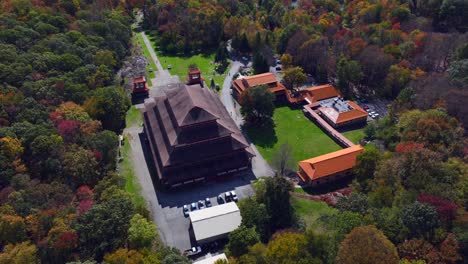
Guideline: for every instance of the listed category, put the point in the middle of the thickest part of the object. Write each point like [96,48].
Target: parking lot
[376,107]
[171,203]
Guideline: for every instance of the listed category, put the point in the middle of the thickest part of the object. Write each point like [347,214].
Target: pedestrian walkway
[339,138]
[163,77]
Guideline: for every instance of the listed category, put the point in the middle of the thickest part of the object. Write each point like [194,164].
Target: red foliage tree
[68,129]
[84,206]
[449,249]
[446,209]
[84,193]
[415,249]
[66,241]
[56,117]
[408,147]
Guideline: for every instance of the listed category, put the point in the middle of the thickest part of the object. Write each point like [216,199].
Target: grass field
[355,135]
[309,210]
[306,139]
[126,166]
[133,116]
[180,64]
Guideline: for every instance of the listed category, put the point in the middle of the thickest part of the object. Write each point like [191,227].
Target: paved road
[163,77]
[260,166]
[144,177]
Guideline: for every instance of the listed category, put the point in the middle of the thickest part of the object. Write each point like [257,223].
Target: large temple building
[192,137]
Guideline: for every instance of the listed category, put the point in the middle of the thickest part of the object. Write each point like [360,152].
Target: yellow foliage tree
[11,147]
[367,245]
[23,253]
[124,256]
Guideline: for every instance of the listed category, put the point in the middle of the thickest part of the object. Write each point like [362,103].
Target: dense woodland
[60,109]
[367,48]
[410,192]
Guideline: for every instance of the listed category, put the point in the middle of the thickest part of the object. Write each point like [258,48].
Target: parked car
[372,113]
[244,58]
[193,251]
[150,69]
[220,199]
[234,196]
[185,209]
[278,61]
[278,68]
[375,116]
[365,107]
[193,206]
[169,67]
[208,202]
[201,205]
[227,196]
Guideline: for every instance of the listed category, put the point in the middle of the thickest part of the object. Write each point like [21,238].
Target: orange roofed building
[330,105]
[194,77]
[140,86]
[269,79]
[339,113]
[329,167]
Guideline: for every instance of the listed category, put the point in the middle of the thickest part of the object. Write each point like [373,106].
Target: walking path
[163,77]
[342,140]
[260,166]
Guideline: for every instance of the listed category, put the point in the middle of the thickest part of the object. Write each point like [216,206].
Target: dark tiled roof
[190,125]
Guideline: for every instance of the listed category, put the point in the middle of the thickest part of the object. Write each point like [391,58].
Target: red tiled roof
[356,113]
[341,117]
[322,92]
[265,78]
[139,79]
[330,163]
[194,70]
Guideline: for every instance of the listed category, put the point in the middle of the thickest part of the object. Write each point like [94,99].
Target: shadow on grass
[352,127]
[263,136]
[328,187]
[152,36]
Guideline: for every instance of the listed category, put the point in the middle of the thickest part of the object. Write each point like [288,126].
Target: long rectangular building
[329,167]
[215,222]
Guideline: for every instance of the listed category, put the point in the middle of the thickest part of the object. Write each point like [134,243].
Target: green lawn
[181,63]
[306,139]
[126,166]
[150,74]
[133,116]
[309,210]
[355,135]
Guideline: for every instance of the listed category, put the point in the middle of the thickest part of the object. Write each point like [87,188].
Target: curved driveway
[260,166]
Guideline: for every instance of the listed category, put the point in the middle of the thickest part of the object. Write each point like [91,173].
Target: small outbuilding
[214,223]
[140,86]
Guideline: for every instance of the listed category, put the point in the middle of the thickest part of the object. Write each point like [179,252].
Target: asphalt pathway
[260,166]
[163,77]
